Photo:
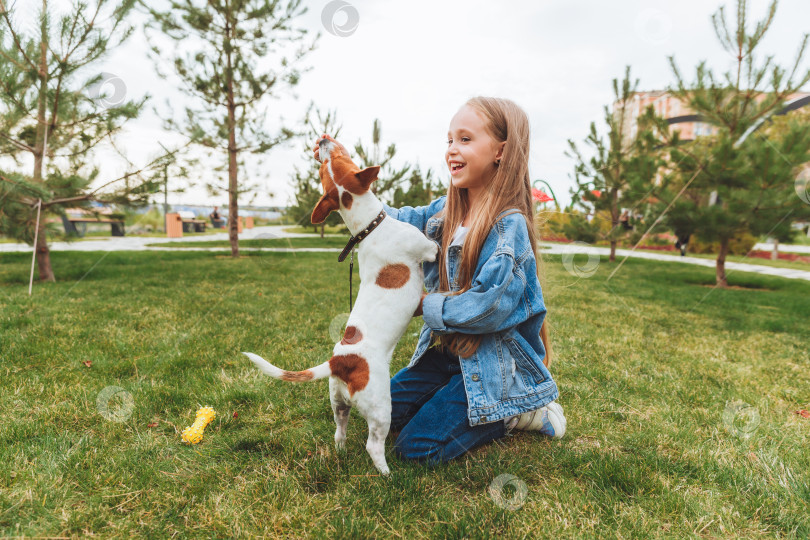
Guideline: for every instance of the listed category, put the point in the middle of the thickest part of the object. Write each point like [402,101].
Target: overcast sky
[413,64]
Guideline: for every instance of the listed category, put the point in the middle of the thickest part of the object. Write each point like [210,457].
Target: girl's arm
[489,306]
[416,216]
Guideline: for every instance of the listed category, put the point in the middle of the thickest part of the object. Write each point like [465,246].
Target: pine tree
[618,170]
[776,127]
[46,112]
[421,189]
[225,76]
[741,179]
[389,177]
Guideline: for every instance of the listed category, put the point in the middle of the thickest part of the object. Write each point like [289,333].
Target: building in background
[680,116]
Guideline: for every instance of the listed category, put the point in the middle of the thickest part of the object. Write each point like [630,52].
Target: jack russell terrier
[390,254]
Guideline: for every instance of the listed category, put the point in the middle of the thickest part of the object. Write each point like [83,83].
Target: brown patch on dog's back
[352,369]
[296,376]
[393,276]
[351,335]
[346,199]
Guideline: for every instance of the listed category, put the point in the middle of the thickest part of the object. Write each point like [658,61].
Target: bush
[150,221]
[740,245]
[551,223]
[578,229]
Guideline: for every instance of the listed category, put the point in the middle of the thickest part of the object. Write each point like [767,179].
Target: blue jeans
[429,406]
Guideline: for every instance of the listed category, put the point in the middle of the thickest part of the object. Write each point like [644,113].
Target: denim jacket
[506,375]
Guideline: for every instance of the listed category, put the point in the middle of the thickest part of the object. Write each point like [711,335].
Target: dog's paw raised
[431,254]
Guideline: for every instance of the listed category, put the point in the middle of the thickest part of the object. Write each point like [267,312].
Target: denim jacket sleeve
[417,216]
[484,308]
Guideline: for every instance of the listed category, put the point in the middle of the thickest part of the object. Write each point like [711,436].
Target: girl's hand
[418,311]
[317,148]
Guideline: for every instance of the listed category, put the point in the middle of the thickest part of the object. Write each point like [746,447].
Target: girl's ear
[500,150]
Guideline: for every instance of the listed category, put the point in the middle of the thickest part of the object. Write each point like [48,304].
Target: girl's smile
[455,167]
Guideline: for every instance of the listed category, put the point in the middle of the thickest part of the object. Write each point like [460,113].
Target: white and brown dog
[391,279]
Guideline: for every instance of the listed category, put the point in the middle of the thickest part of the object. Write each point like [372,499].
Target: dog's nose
[325,146]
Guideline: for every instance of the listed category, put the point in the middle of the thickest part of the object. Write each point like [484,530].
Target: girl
[480,367]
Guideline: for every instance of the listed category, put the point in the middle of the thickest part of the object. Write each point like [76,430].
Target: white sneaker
[548,420]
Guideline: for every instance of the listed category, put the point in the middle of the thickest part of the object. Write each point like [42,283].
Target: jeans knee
[407,449]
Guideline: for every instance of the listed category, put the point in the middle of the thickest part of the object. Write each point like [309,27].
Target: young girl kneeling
[480,366]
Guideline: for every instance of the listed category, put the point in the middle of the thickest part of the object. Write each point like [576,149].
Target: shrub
[150,221]
[578,229]
[740,245]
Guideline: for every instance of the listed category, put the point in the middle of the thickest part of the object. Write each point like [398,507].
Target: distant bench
[116,225]
[194,225]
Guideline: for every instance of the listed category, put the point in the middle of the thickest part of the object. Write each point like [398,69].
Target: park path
[133,243]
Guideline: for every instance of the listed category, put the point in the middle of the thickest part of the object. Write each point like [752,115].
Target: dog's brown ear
[367,176]
[326,205]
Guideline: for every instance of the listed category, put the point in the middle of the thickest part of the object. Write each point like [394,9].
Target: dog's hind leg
[378,417]
[341,411]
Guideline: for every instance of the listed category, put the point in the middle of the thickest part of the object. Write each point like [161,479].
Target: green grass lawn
[340,242]
[96,235]
[328,229]
[680,401]
[289,242]
[780,263]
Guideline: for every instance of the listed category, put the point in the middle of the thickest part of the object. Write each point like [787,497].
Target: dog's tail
[317,372]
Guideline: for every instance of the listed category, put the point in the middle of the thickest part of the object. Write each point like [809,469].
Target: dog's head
[340,179]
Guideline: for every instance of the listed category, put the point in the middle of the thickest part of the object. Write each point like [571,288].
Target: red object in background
[596,193]
[540,196]
[803,413]
[88,363]
[235,414]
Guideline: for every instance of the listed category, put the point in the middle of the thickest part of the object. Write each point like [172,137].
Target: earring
[497,163]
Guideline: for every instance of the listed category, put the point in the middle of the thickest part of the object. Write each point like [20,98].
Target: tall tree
[420,189]
[744,176]
[390,177]
[617,171]
[46,112]
[224,71]
[777,126]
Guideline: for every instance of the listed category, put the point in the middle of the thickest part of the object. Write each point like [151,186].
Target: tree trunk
[614,221]
[322,228]
[233,203]
[775,252]
[43,254]
[721,264]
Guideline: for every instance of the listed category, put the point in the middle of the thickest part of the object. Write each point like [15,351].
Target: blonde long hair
[510,188]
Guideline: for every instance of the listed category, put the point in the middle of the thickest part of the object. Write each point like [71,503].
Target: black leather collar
[354,240]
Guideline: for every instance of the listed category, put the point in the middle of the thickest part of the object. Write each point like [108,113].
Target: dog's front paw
[432,253]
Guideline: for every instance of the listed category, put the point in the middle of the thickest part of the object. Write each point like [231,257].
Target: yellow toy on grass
[194,433]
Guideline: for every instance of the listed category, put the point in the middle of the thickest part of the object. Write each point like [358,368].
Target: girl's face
[469,144]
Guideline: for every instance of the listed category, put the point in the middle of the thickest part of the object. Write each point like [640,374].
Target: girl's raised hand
[318,148]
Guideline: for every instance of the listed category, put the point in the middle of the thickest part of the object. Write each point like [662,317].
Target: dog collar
[354,240]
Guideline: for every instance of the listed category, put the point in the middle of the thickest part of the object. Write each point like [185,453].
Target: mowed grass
[267,241]
[680,401]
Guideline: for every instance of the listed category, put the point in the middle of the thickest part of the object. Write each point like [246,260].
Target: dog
[390,254]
